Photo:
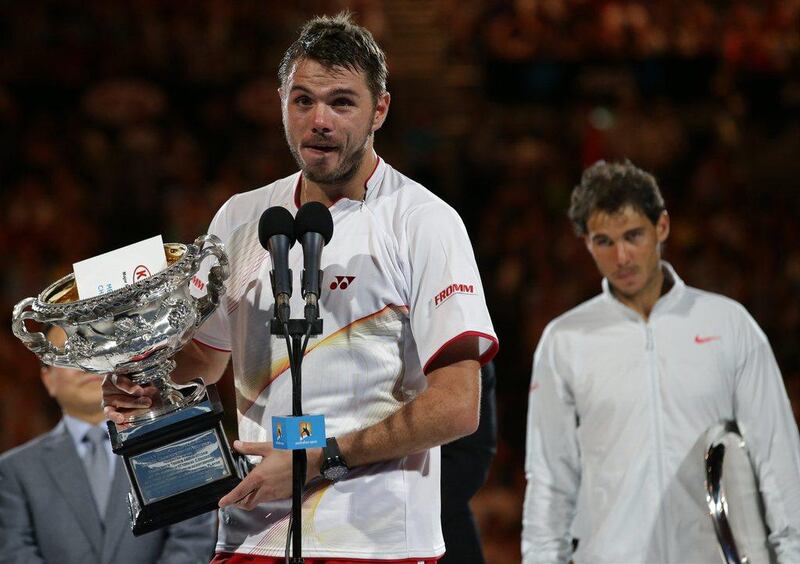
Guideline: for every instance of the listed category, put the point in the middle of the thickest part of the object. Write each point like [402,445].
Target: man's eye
[303,101]
[342,102]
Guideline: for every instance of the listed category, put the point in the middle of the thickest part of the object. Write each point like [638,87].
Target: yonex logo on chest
[453,289]
[342,282]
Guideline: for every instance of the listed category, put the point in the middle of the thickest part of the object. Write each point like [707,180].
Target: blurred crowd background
[122,120]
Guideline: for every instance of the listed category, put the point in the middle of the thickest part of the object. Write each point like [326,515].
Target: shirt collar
[375,179]
[78,428]
[665,301]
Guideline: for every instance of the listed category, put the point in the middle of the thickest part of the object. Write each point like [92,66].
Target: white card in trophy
[116,269]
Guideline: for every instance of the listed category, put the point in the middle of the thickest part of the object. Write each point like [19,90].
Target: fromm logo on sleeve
[451,290]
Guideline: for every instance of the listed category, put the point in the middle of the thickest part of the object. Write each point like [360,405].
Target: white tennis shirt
[399,283]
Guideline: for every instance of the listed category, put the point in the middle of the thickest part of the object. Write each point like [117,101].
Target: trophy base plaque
[179,465]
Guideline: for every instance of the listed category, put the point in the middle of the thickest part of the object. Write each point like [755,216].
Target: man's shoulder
[581,315]
[28,451]
[403,194]
[583,319]
[707,302]
[247,207]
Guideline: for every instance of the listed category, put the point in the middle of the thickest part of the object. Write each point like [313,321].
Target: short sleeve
[215,331]
[447,300]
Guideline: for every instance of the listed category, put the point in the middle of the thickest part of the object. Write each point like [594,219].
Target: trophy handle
[196,395]
[37,342]
[210,245]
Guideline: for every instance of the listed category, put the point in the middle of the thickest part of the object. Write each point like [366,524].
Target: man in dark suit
[465,466]
[63,495]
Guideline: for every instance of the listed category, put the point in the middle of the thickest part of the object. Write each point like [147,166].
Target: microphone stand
[294,330]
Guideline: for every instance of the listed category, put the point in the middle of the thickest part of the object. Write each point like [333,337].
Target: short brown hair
[609,187]
[338,42]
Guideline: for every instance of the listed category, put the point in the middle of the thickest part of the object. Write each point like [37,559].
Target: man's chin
[320,175]
[626,288]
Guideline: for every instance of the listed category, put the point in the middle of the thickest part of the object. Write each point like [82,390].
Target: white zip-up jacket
[617,413]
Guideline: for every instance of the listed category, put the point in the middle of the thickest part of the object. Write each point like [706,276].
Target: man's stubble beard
[346,170]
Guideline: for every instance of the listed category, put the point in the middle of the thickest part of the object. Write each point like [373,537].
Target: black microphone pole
[313,226]
[276,235]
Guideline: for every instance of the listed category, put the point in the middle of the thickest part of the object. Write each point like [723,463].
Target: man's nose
[623,253]
[322,119]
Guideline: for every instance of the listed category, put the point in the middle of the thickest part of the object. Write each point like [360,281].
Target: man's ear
[587,241]
[381,111]
[662,227]
[46,373]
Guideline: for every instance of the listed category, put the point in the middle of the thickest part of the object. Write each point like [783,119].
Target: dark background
[122,120]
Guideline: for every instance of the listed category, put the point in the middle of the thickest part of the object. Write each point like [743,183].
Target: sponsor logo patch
[703,340]
[451,290]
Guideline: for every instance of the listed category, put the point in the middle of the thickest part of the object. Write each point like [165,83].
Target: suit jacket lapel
[66,471]
[117,512]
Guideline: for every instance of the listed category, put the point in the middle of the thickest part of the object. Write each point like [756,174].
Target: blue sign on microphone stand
[297,433]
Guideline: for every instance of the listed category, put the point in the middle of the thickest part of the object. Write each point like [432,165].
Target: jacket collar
[664,303]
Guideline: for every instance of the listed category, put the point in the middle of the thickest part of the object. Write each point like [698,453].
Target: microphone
[314,229]
[276,235]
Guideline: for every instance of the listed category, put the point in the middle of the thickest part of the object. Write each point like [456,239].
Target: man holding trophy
[396,369]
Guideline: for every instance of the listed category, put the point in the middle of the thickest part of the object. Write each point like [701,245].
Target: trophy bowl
[176,454]
[134,330]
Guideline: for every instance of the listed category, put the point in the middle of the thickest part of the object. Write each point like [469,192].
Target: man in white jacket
[624,387]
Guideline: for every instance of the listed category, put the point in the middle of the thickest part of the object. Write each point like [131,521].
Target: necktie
[96,461]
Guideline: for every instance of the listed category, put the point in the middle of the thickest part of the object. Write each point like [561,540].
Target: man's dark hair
[336,42]
[609,187]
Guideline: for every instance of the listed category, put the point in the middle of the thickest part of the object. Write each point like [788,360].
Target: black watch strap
[334,467]
[331,448]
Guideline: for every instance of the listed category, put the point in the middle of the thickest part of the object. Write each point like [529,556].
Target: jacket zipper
[652,367]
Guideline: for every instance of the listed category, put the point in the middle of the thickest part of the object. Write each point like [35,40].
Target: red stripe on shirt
[483,359]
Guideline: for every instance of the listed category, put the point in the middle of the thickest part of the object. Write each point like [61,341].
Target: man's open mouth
[321,148]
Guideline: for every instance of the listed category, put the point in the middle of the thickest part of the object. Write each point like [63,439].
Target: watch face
[335,473]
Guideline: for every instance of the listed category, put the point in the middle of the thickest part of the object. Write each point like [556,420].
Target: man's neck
[93,418]
[353,189]
[644,302]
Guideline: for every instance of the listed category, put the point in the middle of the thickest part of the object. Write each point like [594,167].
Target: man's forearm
[448,409]
[199,361]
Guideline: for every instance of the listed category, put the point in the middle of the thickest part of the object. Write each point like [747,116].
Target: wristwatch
[333,468]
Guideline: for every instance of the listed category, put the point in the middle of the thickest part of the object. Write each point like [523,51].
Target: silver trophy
[176,454]
[733,498]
